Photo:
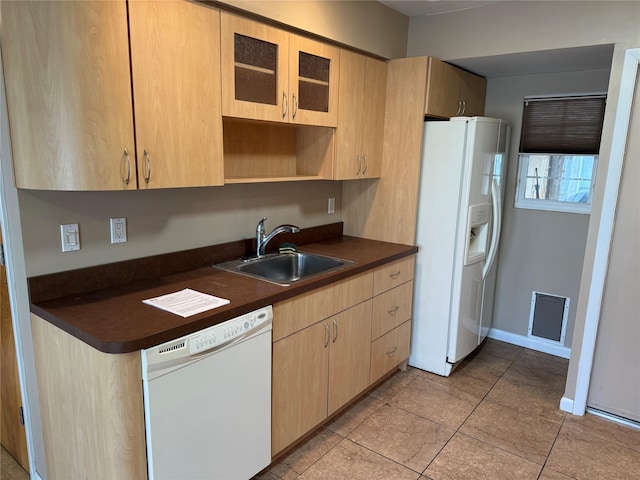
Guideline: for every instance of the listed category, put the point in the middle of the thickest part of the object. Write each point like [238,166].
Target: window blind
[567,125]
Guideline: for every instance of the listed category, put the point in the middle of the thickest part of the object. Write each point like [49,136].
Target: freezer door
[484,143]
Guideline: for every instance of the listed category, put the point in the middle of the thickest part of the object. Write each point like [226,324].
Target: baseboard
[531,343]
[566,404]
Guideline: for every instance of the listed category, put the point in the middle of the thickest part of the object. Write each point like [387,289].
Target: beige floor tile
[548,474]
[520,394]
[357,413]
[264,475]
[605,429]
[585,457]
[350,461]
[296,462]
[406,438]
[393,384]
[495,354]
[440,403]
[10,469]
[541,369]
[465,458]
[470,377]
[528,436]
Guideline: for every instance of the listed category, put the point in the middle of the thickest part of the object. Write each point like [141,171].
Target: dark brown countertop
[114,319]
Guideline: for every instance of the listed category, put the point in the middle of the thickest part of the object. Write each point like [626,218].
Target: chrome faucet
[262,239]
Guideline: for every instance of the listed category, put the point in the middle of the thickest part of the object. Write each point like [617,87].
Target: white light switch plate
[70,237]
[331,207]
[118,227]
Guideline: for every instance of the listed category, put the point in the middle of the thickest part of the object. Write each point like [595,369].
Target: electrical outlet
[332,205]
[118,229]
[70,237]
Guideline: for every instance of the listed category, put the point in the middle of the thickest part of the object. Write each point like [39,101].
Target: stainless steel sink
[285,268]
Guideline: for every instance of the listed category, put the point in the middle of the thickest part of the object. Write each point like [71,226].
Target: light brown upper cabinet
[363,84]
[272,75]
[68,82]
[175,59]
[452,91]
[66,68]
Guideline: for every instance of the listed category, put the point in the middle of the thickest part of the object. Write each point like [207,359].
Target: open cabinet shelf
[257,152]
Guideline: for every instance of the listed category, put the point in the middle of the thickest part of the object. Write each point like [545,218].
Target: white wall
[523,26]
[362,24]
[540,251]
[161,221]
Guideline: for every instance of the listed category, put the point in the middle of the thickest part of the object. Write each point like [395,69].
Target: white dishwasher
[207,401]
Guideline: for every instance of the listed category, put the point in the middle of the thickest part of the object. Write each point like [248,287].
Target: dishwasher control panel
[229,331]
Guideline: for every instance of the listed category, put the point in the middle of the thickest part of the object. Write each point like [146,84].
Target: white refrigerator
[459,218]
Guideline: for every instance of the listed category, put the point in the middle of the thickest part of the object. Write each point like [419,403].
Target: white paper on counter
[186,302]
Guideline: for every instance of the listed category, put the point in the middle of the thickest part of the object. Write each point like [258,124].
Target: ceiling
[526,63]
[418,8]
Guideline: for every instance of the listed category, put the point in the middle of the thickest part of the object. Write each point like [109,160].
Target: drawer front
[391,309]
[304,310]
[388,351]
[392,275]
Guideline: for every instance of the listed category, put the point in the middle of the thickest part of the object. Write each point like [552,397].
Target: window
[559,148]
[562,183]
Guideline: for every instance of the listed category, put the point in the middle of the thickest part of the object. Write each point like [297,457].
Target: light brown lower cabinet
[331,344]
[390,350]
[91,406]
[318,370]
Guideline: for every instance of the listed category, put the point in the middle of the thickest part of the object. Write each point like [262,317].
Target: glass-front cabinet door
[313,82]
[269,74]
[255,59]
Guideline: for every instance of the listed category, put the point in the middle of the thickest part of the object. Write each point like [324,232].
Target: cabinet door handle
[147,161]
[365,164]
[459,110]
[127,160]
[295,106]
[359,165]
[327,336]
[464,106]
[285,104]
[394,275]
[392,351]
[335,327]
[392,311]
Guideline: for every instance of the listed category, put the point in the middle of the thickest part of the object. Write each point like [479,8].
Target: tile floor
[9,468]
[496,417]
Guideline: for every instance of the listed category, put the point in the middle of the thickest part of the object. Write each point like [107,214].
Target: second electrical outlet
[118,229]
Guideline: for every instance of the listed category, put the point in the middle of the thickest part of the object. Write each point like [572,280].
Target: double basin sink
[285,268]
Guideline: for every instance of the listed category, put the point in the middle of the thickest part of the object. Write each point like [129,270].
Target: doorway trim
[605,231]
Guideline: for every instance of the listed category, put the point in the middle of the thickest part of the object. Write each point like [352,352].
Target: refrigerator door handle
[495,231]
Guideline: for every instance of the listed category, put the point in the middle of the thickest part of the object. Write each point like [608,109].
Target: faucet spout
[262,240]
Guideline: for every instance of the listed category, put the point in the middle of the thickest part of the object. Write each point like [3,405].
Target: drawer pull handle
[335,326]
[394,275]
[327,336]
[392,351]
[394,310]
